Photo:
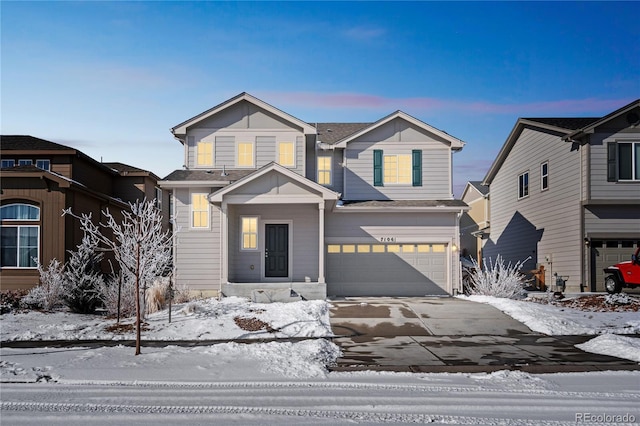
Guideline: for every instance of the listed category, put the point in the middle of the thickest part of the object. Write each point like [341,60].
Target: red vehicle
[623,274]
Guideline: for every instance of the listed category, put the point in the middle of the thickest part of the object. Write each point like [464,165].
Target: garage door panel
[409,273]
[605,253]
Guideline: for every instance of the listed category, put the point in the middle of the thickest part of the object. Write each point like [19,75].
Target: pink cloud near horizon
[564,107]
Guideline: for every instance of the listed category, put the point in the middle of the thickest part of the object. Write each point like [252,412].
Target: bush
[10,300]
[83,279]
[49,294]
[498,280]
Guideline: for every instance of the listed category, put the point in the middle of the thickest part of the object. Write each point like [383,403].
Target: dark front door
[276,250]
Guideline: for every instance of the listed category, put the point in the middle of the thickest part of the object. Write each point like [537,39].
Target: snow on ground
[287,382]
[557,320]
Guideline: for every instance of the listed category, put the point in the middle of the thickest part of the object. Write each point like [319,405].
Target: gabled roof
[476,185]
[327,194]
[181,129]
[569,123]
[24,143]
[456,144]
[209,178]
[127,170]
[330,133]
[552,125]
[632,119]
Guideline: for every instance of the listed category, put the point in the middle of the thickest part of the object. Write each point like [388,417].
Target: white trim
[241,236]
[38,228]
[191,211]
[542,176]
[253,153]
[293,154]
[211,159]
[330,157]
[528,186]
[263,240]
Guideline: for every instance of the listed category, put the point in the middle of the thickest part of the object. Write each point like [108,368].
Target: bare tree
[138,243]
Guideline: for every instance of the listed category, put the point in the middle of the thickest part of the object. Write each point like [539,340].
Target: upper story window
[245,154]
[43,164]
[523,185]
[324,170]
[8,163]
[286,154]
[544,176]
[24,162]
[158,199]
[249,233]
[19,236]
[199,210]
[204,154]
[623,161]
[397,169]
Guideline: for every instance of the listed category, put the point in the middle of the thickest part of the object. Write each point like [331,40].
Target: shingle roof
[477,184]
[570,123]
[330,133]
[124,169]
[207,175]
[406,203]
[26,142]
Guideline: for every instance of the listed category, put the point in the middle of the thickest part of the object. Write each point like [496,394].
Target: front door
[276,250]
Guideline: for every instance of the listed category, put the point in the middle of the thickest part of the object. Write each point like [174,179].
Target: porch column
[321,242]
[224,246]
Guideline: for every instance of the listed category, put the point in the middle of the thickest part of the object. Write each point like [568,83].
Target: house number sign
[387,239]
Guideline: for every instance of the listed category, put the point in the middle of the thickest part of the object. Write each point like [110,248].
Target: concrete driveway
[450,334]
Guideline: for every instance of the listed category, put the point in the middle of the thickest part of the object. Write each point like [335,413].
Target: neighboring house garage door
[386,269]
[605,253]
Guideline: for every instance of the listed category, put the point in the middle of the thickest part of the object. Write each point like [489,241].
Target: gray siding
[546,222]
[198,254]
[303,232]
[619,220]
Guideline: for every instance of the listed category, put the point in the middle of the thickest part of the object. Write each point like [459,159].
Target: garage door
[386,269]
[605,253]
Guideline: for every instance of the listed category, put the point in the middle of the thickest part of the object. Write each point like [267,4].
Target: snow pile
[208,319]
[622,346]
[555,321]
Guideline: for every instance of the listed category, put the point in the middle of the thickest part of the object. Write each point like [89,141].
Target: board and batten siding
[198,254]
[303,235]
[546,223]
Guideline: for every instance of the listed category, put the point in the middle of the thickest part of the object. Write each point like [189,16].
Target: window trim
[13,163]
[25,160]
[329,159]
[22,220]
[409,171]
[253,155]
[544,175]
[242,233]
[292,165]
[635,174]
[192,211]
[523,188]
[46,161]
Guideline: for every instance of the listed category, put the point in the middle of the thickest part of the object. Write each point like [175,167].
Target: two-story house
[40,179]
[474,224]
[266,201]
[565,192]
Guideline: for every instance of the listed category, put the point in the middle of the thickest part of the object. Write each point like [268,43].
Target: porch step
[274,295]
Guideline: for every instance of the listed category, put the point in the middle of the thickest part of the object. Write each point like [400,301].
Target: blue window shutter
[377,168]
[612,162]
[417,167]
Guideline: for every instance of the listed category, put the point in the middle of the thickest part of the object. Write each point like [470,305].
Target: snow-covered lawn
[287,382]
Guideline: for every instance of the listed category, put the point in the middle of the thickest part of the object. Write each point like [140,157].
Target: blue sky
[111,78]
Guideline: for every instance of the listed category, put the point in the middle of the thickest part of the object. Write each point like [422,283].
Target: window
[158,199]
[333,248]
[324,170]
[249,233]
[523,185]
[397,169]
[25,162]
[364,248]
[245,154]
[20,242]
[199,211]
[629,161]
[43,164]
[204,154]
[544,176]
[286,154]
[8,163]
[348,248]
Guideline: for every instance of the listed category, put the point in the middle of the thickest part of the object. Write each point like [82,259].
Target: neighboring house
[566,193]
[474,224]
[266,201]
[39,180]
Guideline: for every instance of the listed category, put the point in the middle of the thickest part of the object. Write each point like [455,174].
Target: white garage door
[386,269]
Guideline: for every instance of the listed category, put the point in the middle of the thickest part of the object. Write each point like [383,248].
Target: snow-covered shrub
[84,278]
[617,299]
[10,300]
[497,279]
[156,296]
[182,294]
[49,294]
[109,295]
